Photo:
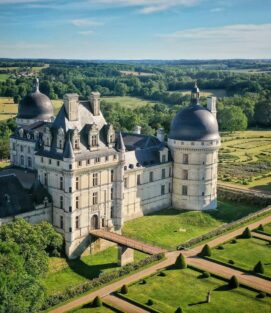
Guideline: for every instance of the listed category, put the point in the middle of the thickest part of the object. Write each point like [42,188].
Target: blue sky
[135,29]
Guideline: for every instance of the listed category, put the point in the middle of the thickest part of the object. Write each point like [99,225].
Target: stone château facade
[100,178]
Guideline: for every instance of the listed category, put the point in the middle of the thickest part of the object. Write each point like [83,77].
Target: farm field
[9,109]
[245,159]
[172,227]
[246,253]
[65,273]
[4,77]
[128,102]
[186,289]
[206,93]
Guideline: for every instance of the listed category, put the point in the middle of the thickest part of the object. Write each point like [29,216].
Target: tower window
[95,198]
[185,174]
[125,182]
[61,202]
[185,159]
[112,193]
[112,212]
[77,222]
[45,179]
[112,176]
[162,190]
[61,183]
[151,177]
[184,190]
[77,183]
[163,173]
[29,162]
[95,179]
[61,222]
[138,180]
[77,202]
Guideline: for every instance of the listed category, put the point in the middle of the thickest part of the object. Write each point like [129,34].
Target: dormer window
[60,138]
[76,139]
[76,144]
[110,135]
[47,137]
[94,141]
[93,136]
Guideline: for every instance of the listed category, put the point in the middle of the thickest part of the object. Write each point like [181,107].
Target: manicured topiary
[150,302]
[205,275]
[97,302]
[181,262]
[261,295]
[124,290]
[234,241]
[260,227]
[143,282]
[220,247]
[179,310]
[259,268]
[233,282]
[162,274]
[206,251]
[231,262]
[246,233]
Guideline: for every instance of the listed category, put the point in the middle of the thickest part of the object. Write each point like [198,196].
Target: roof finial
[195,94]
[37,84]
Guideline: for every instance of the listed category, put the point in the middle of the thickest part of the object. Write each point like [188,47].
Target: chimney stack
[211,105]
[137,129]
[161,134]
[71,101]
[95,103]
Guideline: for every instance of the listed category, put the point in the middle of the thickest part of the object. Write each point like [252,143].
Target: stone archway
[94,222]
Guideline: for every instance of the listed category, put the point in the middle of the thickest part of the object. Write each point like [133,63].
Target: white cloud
[148,6]
[231,41]
[86,32]
[85,22]
[215,10]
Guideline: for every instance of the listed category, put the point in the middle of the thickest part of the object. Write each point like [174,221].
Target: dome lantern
[195,94]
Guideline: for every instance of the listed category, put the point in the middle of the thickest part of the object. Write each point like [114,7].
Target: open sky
[135,29]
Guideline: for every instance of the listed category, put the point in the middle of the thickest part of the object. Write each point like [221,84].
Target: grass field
[267,229]
[170,228]
[245,159]
[185,288]
[102,309]
[210,92]
[4,77]
[245,254]
[64,274]
[128,102]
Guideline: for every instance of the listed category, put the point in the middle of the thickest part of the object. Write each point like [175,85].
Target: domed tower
[34,107]
[194,142]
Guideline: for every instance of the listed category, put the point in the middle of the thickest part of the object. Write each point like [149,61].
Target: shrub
[150,302]
[231,262]
[206,251]
[261,295]
[205,275]
[259,268]
[143,282]
[234,241]
[220,247]
[233,282]
[179,310]
[124,290]
[97,302]
[181,262]
[246,233]
[162,274]
[260,227]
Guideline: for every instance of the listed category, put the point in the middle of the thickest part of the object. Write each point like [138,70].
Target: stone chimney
[161,134]
[137,130]
[95,103]
[211,105]
[71,101]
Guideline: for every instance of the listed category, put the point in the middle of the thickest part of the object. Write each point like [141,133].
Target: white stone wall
[194,181]
[22,153]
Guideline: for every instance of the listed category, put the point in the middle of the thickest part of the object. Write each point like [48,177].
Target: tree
[97,302]
[124,290]
[233,282]
[232,119]
[179,310]
[259,268]
[263,110]
[206,251]
[181,262]
[246,233]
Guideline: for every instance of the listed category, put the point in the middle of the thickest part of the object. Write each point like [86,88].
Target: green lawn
[4,77]
[245,254]
[267,229]
[102,309]
[170,227]
[184,288]
[65,274]
[128,102]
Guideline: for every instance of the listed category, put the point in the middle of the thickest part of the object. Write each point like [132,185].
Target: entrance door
[94,222]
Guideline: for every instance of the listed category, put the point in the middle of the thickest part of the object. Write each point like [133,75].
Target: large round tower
[194,142]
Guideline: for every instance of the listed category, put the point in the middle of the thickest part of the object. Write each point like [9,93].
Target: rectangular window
[163,158]
[95,198]
[61,202]
[57,163]
[112,212]
[162,190]
[70,166]
[70,209]
[28,149]
[151,177]
[70,189]
[76,144]
[125,182]
[97,160]
[169,187]
[138,180]
[79,163]
[185,174]
[88,162]
[112,193]
[184,190]
[45,179]
[95,179]
[77,183]
[114,157]
[22,148]
[61,183]
[106,158]
[61,222]
[41,159]
[185,159]
[163,173]
[77,222]
[94,141]
[77,202]
[170,172]
[14,146]
[112,176]
[50,161]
